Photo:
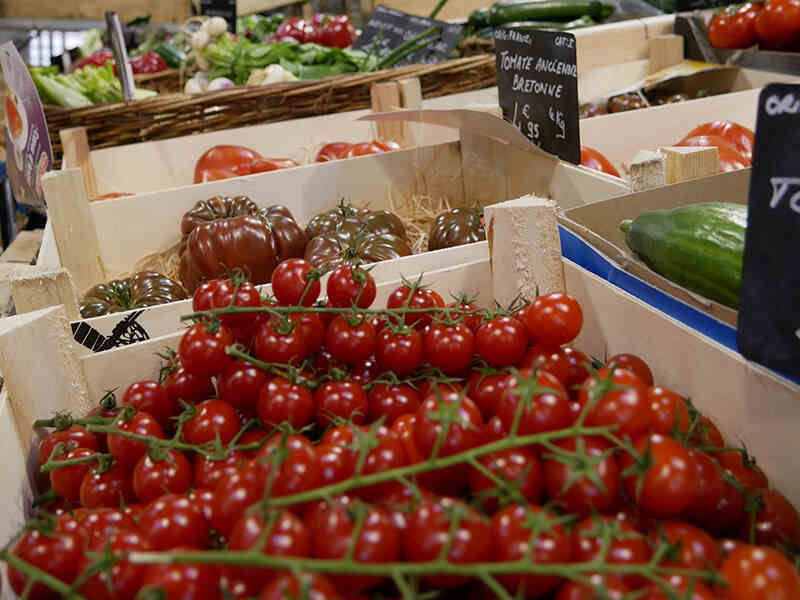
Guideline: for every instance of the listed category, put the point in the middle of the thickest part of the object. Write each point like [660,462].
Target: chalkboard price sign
[220,8]
[769,317]
[537,76]
[388,28]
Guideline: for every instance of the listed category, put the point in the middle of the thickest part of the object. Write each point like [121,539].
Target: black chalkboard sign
[388,28]
[537,76]
[769,317]
[220,8]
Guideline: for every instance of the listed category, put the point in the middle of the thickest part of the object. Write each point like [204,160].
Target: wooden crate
[478,169]
[45,373]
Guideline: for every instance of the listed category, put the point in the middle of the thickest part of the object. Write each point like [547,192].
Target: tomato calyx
[526,388]
[581,464]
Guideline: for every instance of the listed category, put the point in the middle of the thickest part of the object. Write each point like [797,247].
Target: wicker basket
[175,115]
[163,82]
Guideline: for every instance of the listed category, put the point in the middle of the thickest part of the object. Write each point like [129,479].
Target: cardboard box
[492,162]
[598,224]
[45,372]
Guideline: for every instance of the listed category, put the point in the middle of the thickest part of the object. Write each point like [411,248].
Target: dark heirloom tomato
[589,110]
[146,288]
[372,235]
[593,159]
[456,227]
[222,234]
[624,102]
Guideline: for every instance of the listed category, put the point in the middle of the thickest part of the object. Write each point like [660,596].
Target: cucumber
[547,10]
[583,21]
[699,246]
[170,53]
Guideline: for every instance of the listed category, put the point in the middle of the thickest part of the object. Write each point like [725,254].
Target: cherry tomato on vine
[208,473]
[679,585]
[112,488]
[124,579]
[213,419]
[553,319]
[280,343]
[486,389]
[173,520]
[345,399]
[728,511]
[634,364]
[58,555]
[743,468]
[669,411]
[99,523]
[350,343]
[182,385]
[240,383]
[586,479]
[404,426]
[77,436]
[234,494]
[283,534]
[399,352]
[332,526]
[455,417]
[501,341]
[154,478]
[578,367]
[280,401]
[760,573]
[151,397]
[312,330]
[450,348]
[291,283]
[347,284]
[128,451]
[734,27]
[429,528]
[597,587]
[695,549]
[668,479]
[548,358]
[202,352]
[416,298]
[776,522]
[618,399]
[511,538]
[537,400]
[392,401]
[519,467]
[286,585]
[294,458]
[66,481]
[468,312]
[228,293]
[710,488]
[626,547]
[335,462]
[184,581]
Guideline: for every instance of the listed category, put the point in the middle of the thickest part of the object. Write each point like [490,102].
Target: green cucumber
[584,21]
[698,246]
[170,53]
[548,10]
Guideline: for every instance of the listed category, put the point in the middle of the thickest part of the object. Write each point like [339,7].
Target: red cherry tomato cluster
[147,62]
[340,150]
[512,447]
[773,25]
[334,31]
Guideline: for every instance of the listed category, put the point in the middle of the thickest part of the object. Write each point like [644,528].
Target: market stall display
[601,317]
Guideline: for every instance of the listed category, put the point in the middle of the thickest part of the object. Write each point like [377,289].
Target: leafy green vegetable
[85,87]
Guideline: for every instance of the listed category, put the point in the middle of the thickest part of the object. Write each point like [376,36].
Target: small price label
[537,77]
[769,317]
[388,28]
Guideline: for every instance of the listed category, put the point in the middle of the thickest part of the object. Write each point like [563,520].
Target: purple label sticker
[28,152]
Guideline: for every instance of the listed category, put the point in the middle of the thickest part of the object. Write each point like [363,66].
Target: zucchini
[548,10]
[699,246]
[479,18]
[584,21]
